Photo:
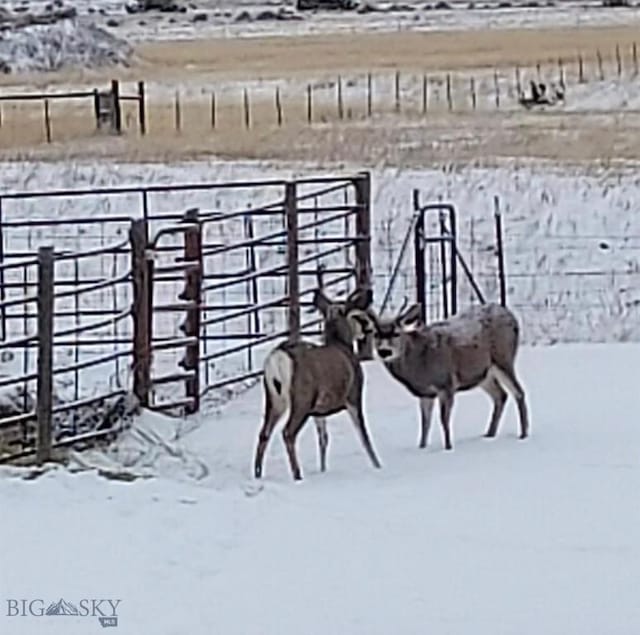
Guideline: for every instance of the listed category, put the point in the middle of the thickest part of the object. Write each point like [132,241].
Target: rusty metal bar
[293,281]
[141,312]
[45,353]
[193,293]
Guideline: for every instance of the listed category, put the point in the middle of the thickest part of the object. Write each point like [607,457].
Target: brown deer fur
[317,381]
[476,348]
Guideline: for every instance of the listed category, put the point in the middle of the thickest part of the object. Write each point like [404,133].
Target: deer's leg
[446,405]
[271,417]
[426,409]
[323,441]
[355,412]
[296,420]
[499,397]
[508,377]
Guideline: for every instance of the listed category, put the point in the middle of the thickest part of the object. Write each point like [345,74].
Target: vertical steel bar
[419,256]
[293,278]
[44,404]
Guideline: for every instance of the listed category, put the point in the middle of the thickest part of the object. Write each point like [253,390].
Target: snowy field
[249,18]
[572,240]
[243,18]
[499,537]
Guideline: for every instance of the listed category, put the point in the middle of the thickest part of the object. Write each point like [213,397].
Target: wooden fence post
[496,85]
[397,91]
[116,121]
[364,274]
[634,55]
[47,121]
[472,88]
[425,94]
[339,98]
[141,267]
[449,97]
[600,66]
[142,109]
[369,94]
[247,110]
[518,83]
[96,106]
[178,113]
[618,60]
[193,294]
[44,406]
[309,104]
[278,107]
[213,109]
[580,69]
[293,277]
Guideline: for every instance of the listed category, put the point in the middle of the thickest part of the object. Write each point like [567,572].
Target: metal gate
[438,261]
[214,291]
[440,272]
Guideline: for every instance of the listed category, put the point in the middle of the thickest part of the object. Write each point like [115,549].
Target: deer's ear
[360,299]
[361,324]
[410,320]
[321,302]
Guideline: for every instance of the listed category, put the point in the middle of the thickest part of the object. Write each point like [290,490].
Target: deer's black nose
[384,353]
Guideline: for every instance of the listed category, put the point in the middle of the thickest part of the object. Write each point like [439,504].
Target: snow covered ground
[222,18]
[572,237]
[247,18]
[499,537]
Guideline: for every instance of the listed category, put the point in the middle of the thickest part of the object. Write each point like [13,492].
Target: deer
[476,348]
[316,380]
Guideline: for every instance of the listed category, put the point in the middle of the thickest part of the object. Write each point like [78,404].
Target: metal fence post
[419,257]
[364,274]
[141,311]
[453,257]
[500,251]
[193,294]
[293,276]
[44,405]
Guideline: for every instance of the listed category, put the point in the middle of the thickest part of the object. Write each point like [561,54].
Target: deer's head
[344,320]
[389,333]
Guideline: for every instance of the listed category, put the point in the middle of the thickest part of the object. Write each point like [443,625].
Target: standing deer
[317,381]
[476,348]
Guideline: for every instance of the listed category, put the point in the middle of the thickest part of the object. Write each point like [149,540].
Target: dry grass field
[323,54]
[406,137]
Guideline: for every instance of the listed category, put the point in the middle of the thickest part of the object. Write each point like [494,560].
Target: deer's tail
[278,375]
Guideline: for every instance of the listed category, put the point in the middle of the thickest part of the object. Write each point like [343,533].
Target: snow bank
[65,44]
[498,537]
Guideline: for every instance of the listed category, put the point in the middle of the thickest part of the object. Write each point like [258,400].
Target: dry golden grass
[406,138]
[403,141]
[321,55]
[326,54]
[24,123]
